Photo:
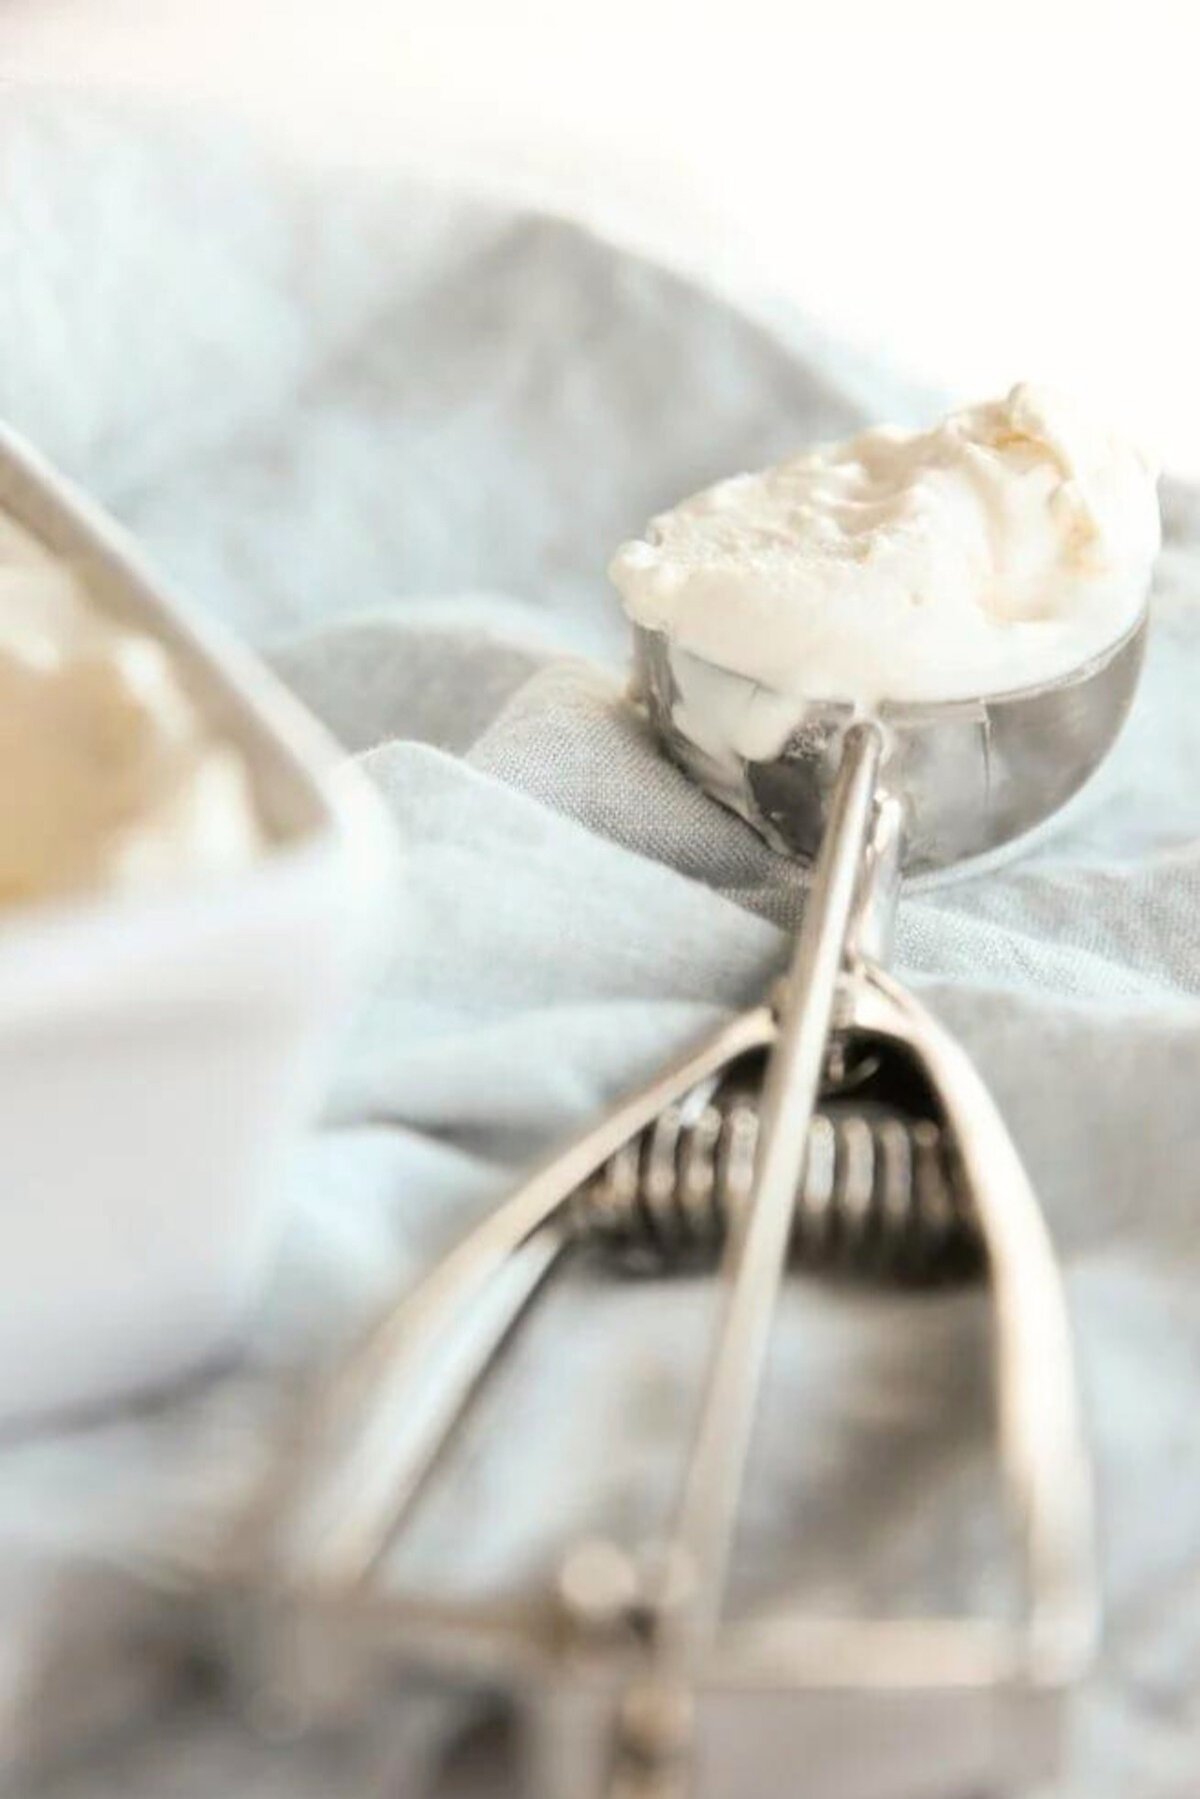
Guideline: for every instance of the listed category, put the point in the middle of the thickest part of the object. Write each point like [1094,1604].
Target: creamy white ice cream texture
[109,776]
[1000,550]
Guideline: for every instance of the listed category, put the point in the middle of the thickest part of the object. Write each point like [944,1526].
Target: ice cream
[1000,550]
[109,775]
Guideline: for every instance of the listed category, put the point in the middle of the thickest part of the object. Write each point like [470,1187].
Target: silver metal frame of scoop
[974,773]
[635,1685]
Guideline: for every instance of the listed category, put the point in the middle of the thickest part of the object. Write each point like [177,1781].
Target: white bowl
[159,1052]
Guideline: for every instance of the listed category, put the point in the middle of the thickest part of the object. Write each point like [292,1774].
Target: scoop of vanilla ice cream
[1000,550]
[108,775]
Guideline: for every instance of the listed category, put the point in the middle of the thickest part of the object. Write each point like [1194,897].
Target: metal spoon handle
[701,1542]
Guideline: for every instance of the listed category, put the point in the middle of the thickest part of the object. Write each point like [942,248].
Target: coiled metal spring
[880,1194]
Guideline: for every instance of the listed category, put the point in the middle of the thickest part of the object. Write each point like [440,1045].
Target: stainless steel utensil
[972,774]
[866,1140]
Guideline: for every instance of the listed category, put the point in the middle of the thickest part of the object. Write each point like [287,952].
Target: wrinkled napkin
[392,434]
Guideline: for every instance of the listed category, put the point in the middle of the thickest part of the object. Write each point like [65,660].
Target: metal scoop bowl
[972,774]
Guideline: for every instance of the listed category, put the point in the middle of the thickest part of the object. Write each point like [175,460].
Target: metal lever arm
[1042,1441]
[332,1504]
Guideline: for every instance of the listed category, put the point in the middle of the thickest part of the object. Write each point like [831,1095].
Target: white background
[977,192]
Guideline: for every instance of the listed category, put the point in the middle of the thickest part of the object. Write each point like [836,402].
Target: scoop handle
[652,1749]
[1044,1458]
[333,1500]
